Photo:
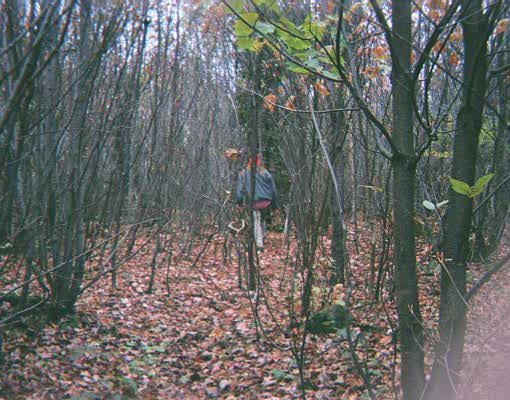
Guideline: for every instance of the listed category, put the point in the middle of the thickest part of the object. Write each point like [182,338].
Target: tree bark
[404,176]
[501,161]
[452,309]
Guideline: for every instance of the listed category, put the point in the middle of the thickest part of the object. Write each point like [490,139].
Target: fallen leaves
[200,340]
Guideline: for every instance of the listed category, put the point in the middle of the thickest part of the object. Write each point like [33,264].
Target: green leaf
[317,30]
[314,64]
[311,53]
[325,60]
[278,375]
[429,205]
[237,5]
[246,43]
[297,43]
[242,30]
[268,4]
[290,26]
[461,187]
[296,68]
[481,183]
[331,75]
[265,28]
[245,29]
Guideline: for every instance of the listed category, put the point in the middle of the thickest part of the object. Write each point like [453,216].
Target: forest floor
[194,336]
[487,348]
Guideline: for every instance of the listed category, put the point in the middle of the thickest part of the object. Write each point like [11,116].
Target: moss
[329,320]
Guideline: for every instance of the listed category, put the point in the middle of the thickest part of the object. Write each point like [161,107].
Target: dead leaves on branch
[270,101]
[501,27]
[232,154]
[319,86]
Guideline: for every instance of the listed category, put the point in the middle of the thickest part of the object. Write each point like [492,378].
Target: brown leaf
[321,88]
[386,340]
[454,59]
[290,103]
[434,4]
[456,36]
[435,15]
[438,47]
[270,102]
[379,52]
[501,27]
[232,154]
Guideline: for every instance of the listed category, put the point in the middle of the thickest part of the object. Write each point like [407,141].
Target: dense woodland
[123,128]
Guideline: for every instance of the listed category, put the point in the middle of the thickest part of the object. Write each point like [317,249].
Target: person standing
[265,196]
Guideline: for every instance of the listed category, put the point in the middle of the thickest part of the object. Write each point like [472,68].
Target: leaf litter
[200,340]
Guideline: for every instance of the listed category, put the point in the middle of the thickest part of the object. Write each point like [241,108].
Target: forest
[138,257]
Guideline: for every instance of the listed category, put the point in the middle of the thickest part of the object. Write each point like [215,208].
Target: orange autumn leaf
[379,52]
[372,72]
[456,36]
[501,27]
[435,15]
[438,47]
[386,340]
[290,103]
[321,88]
[270,102]
[434,4]
[454,59]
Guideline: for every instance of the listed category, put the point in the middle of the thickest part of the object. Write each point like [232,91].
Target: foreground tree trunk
[501,161]
[452,310]
[404,183]
[68,278]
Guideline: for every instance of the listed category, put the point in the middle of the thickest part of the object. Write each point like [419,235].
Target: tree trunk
[338,246]
[452,309]
[68,279]
[501,161]
[404,176]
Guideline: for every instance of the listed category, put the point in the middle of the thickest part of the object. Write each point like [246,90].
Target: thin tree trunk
[452,309]
[404,183]
[501,161]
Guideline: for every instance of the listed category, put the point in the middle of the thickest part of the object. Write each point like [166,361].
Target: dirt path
[486,374]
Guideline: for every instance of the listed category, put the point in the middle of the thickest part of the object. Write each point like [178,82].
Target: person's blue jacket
[265,188]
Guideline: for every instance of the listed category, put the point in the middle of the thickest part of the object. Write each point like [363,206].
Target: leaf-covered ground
[487,348]
[195,336]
